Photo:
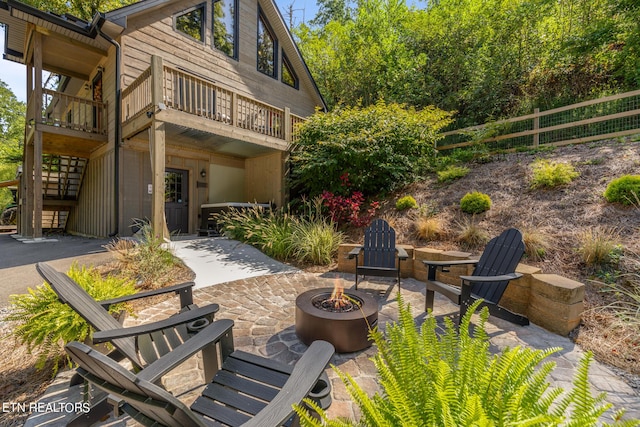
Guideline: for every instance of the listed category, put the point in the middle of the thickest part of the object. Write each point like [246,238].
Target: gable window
[288,76]
[266,47]
[191,23]
[224,26]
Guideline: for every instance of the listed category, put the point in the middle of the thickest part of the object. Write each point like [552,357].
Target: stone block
[346,265]
[557,288]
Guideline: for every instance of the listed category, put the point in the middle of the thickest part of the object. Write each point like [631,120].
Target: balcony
[70,125]
[206,114]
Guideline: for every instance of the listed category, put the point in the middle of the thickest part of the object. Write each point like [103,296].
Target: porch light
[203,173]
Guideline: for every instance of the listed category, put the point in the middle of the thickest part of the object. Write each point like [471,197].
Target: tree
[11,137]
[82,9]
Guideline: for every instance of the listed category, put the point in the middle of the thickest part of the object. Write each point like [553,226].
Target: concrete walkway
[263,309]
[220,260]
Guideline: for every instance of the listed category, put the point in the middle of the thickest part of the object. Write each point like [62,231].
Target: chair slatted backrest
[501,256]
[146,402]
[379,245]
[72,294]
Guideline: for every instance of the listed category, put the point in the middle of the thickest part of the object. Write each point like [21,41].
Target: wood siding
[153,34]
[264,179]
[94,214]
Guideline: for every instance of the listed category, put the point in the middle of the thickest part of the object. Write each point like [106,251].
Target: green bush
[551,174]
[624,190]
[452,172]
[148,261]
[381,147]
[308,238]
[45,324]
[475,202]
[454,380]
[406,202]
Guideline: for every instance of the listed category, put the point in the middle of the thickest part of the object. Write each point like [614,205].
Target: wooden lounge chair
[492,273]
[248,390]
[378,255]
[143,344]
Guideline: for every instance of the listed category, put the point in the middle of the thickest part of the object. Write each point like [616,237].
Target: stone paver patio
[263,309]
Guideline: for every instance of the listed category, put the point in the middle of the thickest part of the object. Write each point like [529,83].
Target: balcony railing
[71,112]
[186,92]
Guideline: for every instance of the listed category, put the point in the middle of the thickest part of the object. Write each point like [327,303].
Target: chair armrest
[178,319]
[304,376]
[182,288]
[503,277]
[402,254]
[449,263]
[209,335]
[355,252]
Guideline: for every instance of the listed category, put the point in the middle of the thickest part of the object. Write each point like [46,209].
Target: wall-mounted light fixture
[203,173]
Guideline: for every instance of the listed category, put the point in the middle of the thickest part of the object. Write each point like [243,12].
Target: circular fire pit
[318,318]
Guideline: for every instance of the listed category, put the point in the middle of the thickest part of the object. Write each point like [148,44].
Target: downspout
[117,133]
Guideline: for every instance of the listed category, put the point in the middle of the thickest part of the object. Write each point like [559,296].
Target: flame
[338,299]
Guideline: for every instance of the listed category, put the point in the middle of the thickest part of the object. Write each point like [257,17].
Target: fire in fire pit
[338,302]
[343,320]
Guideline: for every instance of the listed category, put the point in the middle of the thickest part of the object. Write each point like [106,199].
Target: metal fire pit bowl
[347,331]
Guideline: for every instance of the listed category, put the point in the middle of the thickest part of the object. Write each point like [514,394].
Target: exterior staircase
[61,181]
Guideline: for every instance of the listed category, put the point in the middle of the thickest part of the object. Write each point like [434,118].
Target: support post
[536,127]
[37,138]
[157,147]
[287,124]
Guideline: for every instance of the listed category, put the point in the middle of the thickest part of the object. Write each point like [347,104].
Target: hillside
[561,215]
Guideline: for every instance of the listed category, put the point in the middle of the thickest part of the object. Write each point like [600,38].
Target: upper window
[288,76]
[266,47]
[224,26]
[191,23]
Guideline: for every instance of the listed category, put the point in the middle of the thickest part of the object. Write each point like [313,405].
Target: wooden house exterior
[156,108]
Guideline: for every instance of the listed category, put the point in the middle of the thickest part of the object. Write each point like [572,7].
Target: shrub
[349,209]
[454,380]
[624,190]
[475,202]
[382,147]
[471,234]
[148,260]
[536,243]
[281,235]
[626,304]
[428,228]
[45,324]
[551,174]
[451,173]
[599,246]
[406,202]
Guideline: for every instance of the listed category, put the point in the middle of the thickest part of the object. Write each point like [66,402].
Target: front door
[176,199]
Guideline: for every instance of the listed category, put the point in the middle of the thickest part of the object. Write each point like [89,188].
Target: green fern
[452,379]
[45,325]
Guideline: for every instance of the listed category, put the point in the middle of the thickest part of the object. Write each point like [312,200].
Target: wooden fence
[608,117]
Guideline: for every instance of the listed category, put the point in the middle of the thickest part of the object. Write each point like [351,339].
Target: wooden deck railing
[608,117]
[196,95]
[71,112]
[136,98]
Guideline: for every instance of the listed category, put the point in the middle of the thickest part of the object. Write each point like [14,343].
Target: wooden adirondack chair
[492,273]
[141,345]
[379,255]
[248,390]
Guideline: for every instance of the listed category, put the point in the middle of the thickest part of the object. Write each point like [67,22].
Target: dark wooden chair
[248,390]
[143,344]
[379,255]
[140,345]
[492,273]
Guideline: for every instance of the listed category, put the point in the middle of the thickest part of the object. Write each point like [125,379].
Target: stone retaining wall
[548,300]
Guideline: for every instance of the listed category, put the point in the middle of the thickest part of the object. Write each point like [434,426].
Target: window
[191,23]
[266,47]
[224,26]
[288,76]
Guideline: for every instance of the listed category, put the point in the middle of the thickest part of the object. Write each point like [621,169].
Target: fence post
[536,128]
